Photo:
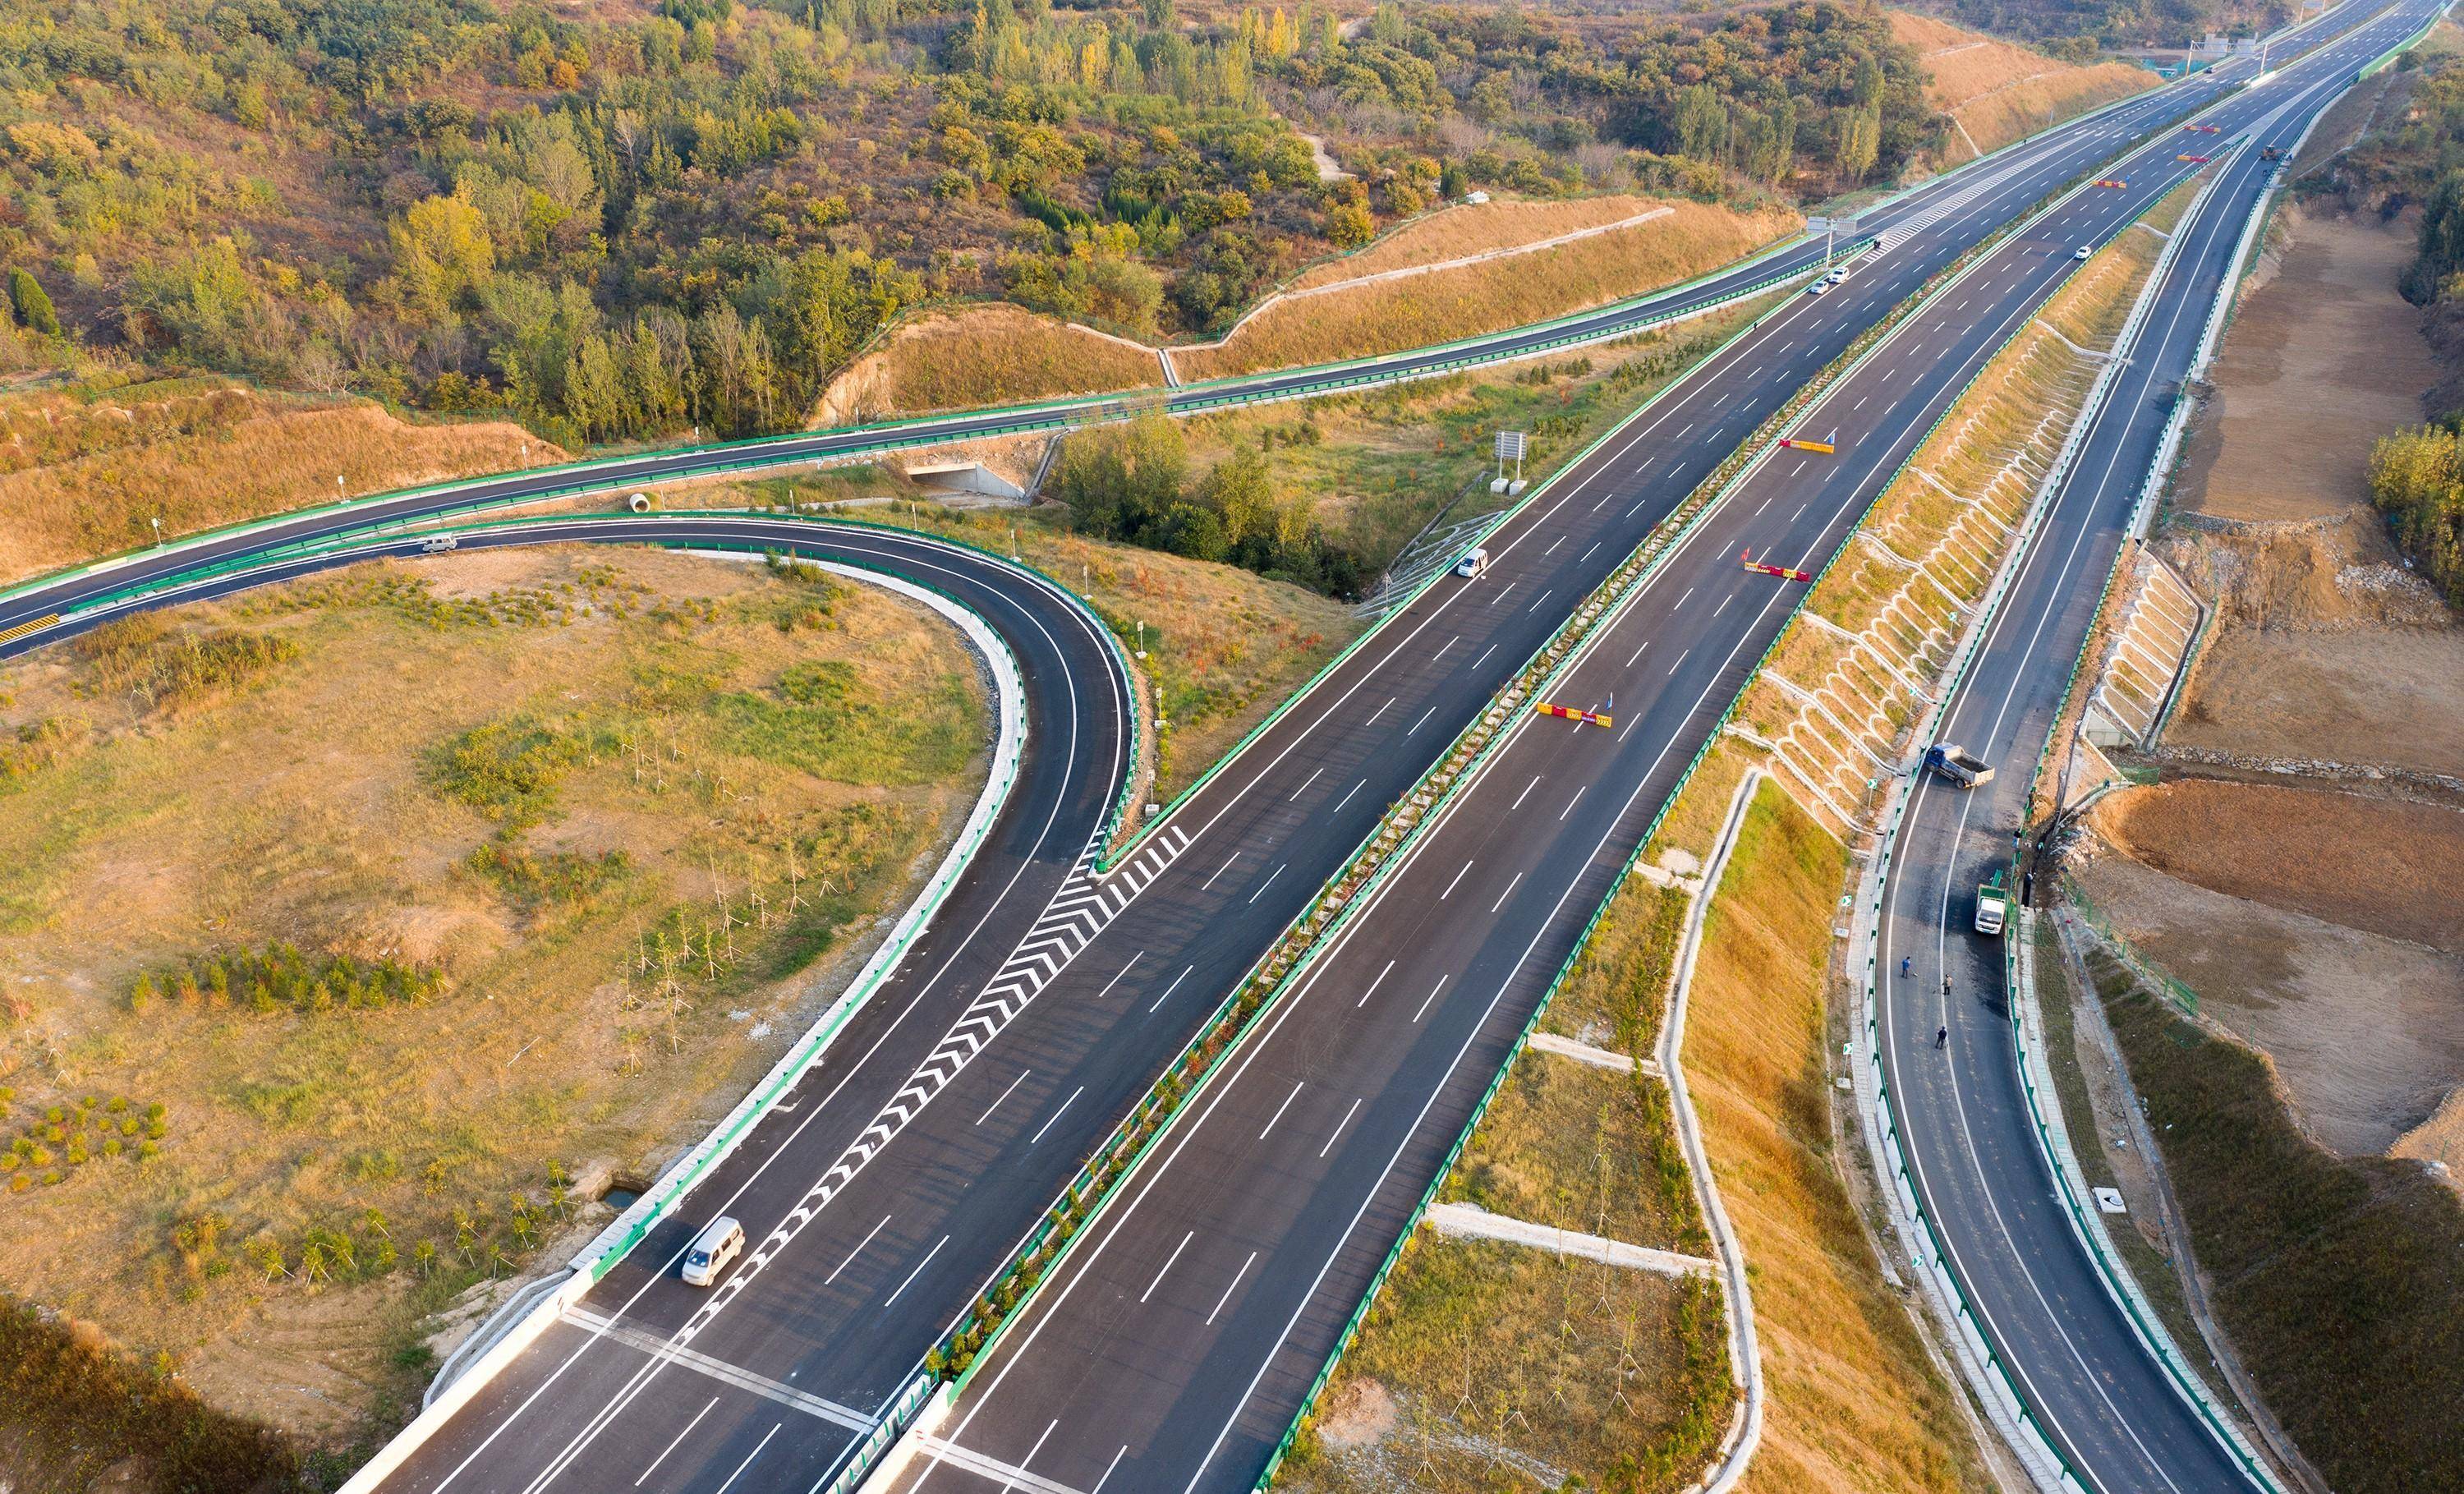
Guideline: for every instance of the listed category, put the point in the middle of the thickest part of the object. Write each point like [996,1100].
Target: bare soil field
[2365,1033]
[2321,360]
[355,933]
[83,473]
[1999,91]
[2325,646]
[2371,863]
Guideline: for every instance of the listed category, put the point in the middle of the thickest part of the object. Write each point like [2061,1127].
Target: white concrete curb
[1745,1353]
[677,1182]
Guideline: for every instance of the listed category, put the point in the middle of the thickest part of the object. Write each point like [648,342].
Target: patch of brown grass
[1855,1401]
[2000,90]
[1475,228]
[81,477]
[1489,297]
[624,954]
[983,355]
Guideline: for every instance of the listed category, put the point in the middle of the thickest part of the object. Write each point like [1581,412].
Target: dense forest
[617,223]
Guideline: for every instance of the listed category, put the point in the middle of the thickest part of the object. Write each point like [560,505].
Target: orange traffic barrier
[1570,714]
[1798,444]
[2112,181]
[2193,159]
[1763,569]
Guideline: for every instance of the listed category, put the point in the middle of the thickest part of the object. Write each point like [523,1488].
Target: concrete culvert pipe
[639,503]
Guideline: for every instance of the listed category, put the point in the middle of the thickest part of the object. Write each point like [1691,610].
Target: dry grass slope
[627,814]
[1855,1404]
[1999,91]
[983,355]
[1471,300]
[84,474]
[1469,228]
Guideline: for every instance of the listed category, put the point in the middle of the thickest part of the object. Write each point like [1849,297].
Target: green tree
[32,302]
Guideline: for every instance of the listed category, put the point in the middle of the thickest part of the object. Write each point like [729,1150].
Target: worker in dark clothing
[1942,1037]
[1905,961]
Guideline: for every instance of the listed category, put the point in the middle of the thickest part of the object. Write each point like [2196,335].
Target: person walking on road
[1905,961]
[1942,1037]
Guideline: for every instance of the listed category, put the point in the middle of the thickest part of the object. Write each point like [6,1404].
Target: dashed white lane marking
[1056,1115]
[1381,711]
[1680,658]
[1168,989]
[1116,979]
[1501,596]
[1636,654]
[1681,600]
[1306,782]
[1270,882]
[1572,802]
[1108,1469]
[1484,656]
[1432,997]
[1450,886]
[1422,721]
[749,1457]
[1525,794]
[1348,793]
[1237,1276]
[919,1266]
[1724,604]
[1167,1265]
[1281,1108]
[1374,984]
[1220,870]
[1587,555]
[1552,546]
[1637,509]
[1012,1090]
[1335,1135]
[1509,893]
[1536,601]
[672,1446]
[859,1249]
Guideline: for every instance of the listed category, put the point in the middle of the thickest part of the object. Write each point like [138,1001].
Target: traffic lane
[956,1271]
[1132,1263]
[1496,868]
[1955,840]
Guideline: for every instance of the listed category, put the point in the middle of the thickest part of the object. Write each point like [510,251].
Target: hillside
[1995,91]
[615,223]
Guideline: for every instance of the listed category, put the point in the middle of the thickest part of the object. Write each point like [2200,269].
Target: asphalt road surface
[904,1170]
[1175,1346]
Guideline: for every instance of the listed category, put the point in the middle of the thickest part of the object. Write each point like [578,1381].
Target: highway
[900,1174]
[2101,1399]
[1175,1347]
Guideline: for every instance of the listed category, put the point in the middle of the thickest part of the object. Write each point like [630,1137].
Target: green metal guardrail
[1760,443]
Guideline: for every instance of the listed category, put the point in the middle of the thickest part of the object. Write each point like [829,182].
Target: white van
[711,1251]
[1472,565]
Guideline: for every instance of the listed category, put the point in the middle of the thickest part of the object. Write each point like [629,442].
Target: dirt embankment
[2313,923]
[2326,646]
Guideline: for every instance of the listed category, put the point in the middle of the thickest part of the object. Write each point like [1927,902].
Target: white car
[1472,565]
[1822,287]
[1838,277]
[711,1251]
[2085,253]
